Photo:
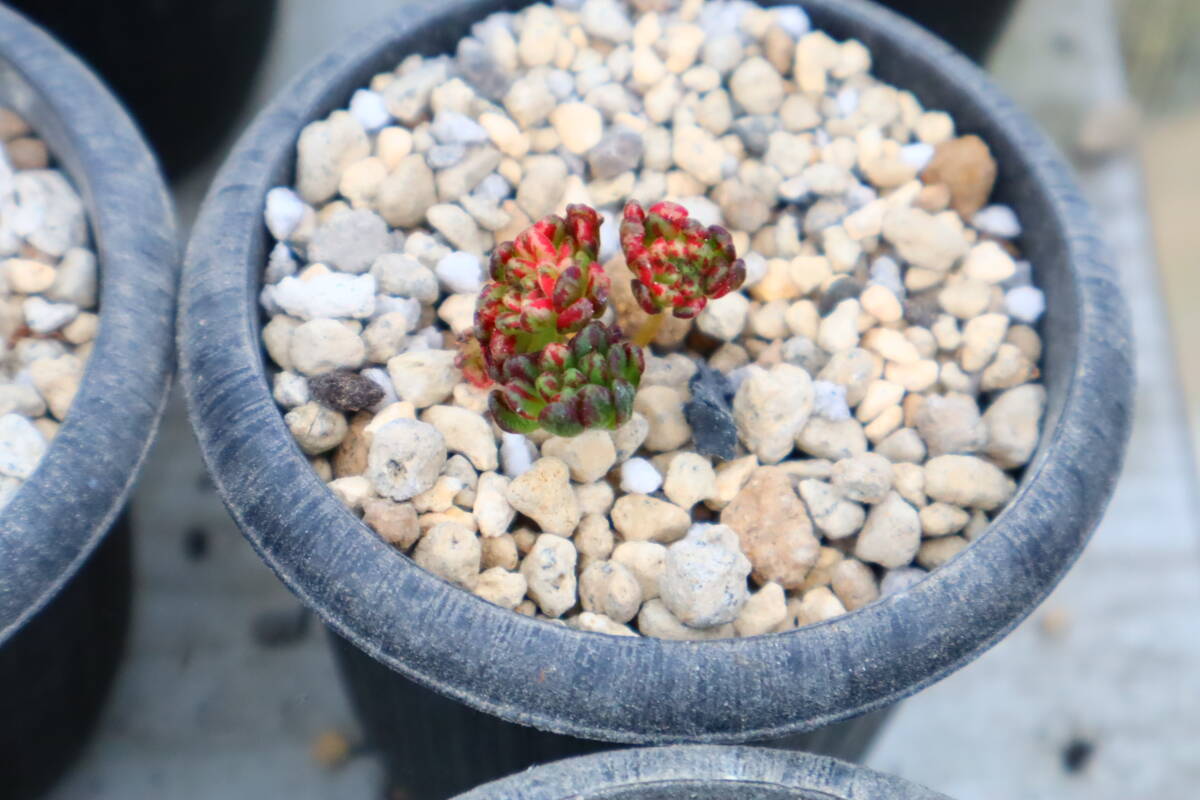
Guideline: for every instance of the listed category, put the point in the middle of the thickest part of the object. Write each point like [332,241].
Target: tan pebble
[543,493]
[880,395]
[773,527]
[450,551]
[909,481]
[610,588]
[900,445]
[879,302]
[891,535]
[549,570]
[942,519]
[499,551]
[351,491]
[662,406]
[655,619]
[936,552]
[854,584]
[916,376]
[884,424]
[822,572]
[594,498]
[763,612]
[967,481]
[593,539]
[689,479]
[981,337]
[638,517]
[501,587]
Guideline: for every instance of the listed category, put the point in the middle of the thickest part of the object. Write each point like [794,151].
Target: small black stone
[922,309]
[281,627]
[344,390]
[839,290]
[714,432]
[1077,754]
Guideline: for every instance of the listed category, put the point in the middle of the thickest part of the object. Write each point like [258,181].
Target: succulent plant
[588,382]
[677,263]
[545,285]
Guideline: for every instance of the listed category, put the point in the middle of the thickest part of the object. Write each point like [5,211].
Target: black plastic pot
[701,773]
[184,69]
[971,27]
[647,690]
[64,588]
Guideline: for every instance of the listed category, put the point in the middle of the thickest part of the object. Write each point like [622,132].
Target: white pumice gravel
[882,354]
[48,296]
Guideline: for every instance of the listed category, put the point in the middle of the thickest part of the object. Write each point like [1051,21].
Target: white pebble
[280,263]
[1025,304]
[829,401]
[517,454]
[460,273]
[21,446]
[369,109]
[45,317]
[916,155]
[793,20]
[847,101]
[638,476]
[756,269]
[997,220]
[284,211]
[451,127]
[334,294]
[410,307]
[379,376]
[886,272]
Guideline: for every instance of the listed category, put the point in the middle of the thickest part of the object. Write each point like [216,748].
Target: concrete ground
[225,692]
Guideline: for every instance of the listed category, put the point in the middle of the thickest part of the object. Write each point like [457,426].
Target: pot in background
[690,772]
[64,587]
[645,691]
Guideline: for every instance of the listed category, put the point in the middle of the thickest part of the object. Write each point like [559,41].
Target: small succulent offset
[678,263]
[538,334]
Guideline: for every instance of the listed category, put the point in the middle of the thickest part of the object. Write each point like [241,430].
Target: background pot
[973,28]
[184,69]
[64,590]
[689,772]
[644,690]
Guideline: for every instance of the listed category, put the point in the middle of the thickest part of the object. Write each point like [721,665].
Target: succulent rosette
[678,264]
[545,285]
[569,387]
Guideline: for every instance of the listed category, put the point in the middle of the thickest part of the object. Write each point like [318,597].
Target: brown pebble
[344,390]
[28,153]
[11,125]
[965,165]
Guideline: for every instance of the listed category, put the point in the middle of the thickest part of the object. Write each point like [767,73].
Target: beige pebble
[638,517]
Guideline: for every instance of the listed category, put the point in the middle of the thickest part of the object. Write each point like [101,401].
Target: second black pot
[695,773]
[64,539]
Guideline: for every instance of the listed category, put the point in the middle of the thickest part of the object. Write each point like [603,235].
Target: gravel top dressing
[47,300]
[848,419]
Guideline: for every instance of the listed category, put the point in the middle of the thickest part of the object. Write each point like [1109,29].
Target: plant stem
[648,330]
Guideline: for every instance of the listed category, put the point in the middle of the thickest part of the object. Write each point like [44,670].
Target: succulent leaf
[574,386]
[677,263]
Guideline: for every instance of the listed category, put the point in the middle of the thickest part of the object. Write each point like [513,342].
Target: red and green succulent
[678,263]
[537,332]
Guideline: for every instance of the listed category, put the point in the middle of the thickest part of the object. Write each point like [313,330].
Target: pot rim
[613,688]
[59,515]
[717,768]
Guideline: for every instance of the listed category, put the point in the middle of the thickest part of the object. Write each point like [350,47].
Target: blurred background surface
[229,689]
